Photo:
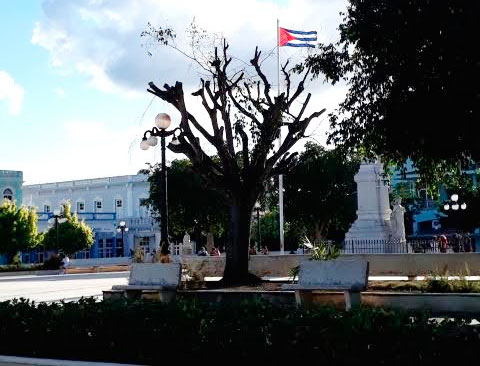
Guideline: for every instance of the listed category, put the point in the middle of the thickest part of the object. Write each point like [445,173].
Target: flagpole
[280,176]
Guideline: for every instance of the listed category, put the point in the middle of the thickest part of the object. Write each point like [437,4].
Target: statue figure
[397,222]
[186,245]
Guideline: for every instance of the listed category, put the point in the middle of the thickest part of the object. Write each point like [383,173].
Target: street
[59,287]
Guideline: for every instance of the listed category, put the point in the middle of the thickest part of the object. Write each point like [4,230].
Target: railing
[367,246]
[90,182]
[87,216]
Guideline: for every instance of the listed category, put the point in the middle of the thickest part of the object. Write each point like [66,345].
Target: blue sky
[73,75]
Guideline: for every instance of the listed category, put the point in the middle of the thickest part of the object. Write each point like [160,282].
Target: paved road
[59,287]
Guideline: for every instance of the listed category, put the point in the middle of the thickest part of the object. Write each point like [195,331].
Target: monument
[376,226]
[373,212]
[186,245]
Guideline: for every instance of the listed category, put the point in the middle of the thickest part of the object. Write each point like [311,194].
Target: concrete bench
[350,276]
[159,279]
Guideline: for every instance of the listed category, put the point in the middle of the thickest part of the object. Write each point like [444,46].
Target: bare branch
[300,89]
[254,62]
[244,137]
[287,78]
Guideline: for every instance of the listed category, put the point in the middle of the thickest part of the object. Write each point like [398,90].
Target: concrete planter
[434,303]
[450,303]
[166,275]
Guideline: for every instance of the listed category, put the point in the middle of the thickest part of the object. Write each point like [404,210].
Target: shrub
[53,262]
[142,332]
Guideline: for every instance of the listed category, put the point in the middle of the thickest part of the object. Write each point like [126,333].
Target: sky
[74,74]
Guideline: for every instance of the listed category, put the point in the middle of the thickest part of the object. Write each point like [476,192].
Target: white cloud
[11,93]
[101,39]
[59,91]
[86,149]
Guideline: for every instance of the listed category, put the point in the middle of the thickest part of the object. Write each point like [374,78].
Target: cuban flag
[293,38]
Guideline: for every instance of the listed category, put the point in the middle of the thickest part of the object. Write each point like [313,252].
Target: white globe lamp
[163,121]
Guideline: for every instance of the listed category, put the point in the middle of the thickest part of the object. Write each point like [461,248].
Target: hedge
[149,333]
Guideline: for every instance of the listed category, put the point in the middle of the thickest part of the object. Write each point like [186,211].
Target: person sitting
[252,250]
[443,243]
[264,250]
[203,252]
[215,252]
[165,253]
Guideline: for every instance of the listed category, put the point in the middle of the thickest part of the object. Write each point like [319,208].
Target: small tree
[193,206]
[320,193]
[73,235]
[18,229]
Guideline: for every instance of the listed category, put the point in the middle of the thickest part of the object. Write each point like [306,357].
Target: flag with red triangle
[293,38]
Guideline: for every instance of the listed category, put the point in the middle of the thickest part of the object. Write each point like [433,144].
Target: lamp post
[162,122]
[57,218]
[122,227]
[453,203]
[259,237]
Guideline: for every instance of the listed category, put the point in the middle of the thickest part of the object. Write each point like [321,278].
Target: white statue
[186,245]
[397,222]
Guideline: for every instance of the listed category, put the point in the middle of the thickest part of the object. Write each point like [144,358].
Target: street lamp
[453,203]
[57,218]
[162,122]
[257,208]
[122,227]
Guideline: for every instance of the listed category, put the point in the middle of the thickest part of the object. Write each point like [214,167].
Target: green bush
[53,262]
[149,333]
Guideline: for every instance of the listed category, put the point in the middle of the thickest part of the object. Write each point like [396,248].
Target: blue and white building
[101,202]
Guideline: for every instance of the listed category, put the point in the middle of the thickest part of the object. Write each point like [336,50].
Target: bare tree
[241,110]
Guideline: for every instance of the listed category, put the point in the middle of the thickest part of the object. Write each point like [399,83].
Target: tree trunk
[210,242]
[236,268]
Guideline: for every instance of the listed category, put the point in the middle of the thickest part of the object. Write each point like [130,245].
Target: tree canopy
[18,229]
[73,235]
[412,73]
[193,206]
[320,193]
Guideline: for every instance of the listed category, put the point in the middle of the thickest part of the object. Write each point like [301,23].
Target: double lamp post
[162,122]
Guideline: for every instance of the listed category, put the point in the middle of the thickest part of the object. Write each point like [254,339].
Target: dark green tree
[73,235]
[320,193]
[18,229]
[413,75]
[193,206]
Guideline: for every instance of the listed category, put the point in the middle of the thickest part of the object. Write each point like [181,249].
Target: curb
[45,272]
[27,361]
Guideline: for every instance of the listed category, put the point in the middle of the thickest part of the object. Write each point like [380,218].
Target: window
[118,203]
[144,242]
[80,206]
[8,194]
[46,208]
[100,248]
[97,205]
[109,248]
[105,248]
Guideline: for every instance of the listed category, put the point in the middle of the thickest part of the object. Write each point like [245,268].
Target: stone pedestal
[373,214]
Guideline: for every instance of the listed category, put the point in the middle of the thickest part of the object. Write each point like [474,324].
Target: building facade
[11,185]
[103,203]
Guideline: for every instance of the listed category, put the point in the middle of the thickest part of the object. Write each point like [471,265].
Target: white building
[103,203]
